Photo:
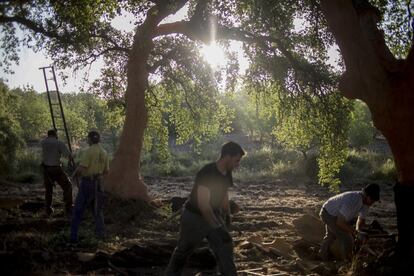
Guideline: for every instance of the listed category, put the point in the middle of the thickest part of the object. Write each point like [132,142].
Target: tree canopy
[287,44]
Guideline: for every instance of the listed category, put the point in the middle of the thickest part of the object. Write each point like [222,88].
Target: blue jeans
[89,191]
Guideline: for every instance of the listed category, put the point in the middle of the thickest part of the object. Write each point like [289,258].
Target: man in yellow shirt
[93,165]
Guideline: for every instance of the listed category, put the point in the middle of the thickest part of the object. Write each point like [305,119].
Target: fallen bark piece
[85,256]
[255,271]
[278,246]
[310,228]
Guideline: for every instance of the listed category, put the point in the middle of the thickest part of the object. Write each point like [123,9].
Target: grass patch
[386,171]
[368,164]
[28,168]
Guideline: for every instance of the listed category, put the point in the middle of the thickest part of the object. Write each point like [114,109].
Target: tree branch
[183,85]
[62,38]
[33,26]
[193,32]
[93,57]
[163,61]
[369,16]
[116,46]
[360,48]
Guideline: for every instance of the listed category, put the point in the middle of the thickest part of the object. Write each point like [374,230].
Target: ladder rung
[54,100]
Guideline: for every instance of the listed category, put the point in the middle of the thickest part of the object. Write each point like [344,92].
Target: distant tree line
[25,116]
[255,110]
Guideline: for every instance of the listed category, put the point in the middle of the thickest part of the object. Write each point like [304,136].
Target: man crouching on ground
[206,213]
[339,211]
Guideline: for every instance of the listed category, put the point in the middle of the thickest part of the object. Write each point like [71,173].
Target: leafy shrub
[361,128]
[259,160]
[311,166]
[385,171]
[368,164]
[10,143]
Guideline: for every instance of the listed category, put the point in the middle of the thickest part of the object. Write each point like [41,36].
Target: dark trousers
[89,191]
[193,229]
[56,174]
[332,233]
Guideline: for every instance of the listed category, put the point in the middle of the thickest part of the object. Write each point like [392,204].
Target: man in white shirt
[338,213]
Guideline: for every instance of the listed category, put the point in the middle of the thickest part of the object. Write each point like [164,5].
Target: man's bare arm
[360,224]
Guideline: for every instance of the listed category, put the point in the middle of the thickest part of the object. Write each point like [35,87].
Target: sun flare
[214,55]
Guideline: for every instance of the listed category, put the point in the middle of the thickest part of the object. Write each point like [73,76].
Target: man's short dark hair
[232,149]
[373,191]
[52,132]
[94,137]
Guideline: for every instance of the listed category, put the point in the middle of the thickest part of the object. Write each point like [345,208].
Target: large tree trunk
[386,85]
[124,178]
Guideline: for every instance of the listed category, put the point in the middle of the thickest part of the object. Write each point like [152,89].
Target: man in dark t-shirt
[207,213]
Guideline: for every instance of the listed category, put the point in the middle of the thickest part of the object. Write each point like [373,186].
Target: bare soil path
[273,232]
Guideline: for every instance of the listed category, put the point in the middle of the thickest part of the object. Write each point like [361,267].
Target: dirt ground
[276,231]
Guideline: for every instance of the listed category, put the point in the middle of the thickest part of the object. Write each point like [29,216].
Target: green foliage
[386,171]
[10,141]
[25,116]
[333,129]
[9,145]
[77,125]
[83,112]
[27,169]
[32,113]
[368,165]
[260,160]
[306,122]
[297,129]
[194,118]
[361,131]
[254,113]
[267,162]
[289,84]
[397,16]
[60,27]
